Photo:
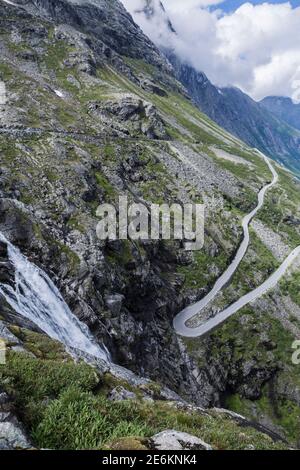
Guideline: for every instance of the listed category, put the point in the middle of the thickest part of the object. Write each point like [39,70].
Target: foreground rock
[120,393]
[12,434]
[175,440]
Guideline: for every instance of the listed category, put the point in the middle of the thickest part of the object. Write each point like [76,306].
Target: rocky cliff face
[92,114]
[110,24]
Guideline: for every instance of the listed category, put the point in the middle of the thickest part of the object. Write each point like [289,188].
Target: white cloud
[180,6]
[256,48]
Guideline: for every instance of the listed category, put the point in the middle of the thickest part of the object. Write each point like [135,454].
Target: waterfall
[35,297]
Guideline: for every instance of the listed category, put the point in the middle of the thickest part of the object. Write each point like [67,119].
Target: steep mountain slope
[87,119]
[112,27]
[258,126]
[284,109]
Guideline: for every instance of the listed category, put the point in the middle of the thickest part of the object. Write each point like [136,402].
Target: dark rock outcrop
[107,21]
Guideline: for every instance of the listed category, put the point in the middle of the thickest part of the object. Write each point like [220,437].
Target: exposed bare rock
[12,434]
[121,394]
[272,240]
[175,440]
[130,115]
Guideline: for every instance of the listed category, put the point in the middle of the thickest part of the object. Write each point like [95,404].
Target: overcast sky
[253,45]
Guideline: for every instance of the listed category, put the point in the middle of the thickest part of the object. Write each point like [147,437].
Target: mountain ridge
[284,108]
[240,115]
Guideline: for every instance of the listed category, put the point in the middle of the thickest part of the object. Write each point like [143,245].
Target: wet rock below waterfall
[6,267]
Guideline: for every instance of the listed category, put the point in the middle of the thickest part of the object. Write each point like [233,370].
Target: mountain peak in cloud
[255,47]
[153,8]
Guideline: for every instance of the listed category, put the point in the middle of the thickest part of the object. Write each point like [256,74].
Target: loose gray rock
[120,394]
[175,440]
[12,436]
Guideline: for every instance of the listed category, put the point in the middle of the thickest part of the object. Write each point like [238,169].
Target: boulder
[175,440]
[12,434]
[120,394]
[130,114]
[6,335]
[152,87]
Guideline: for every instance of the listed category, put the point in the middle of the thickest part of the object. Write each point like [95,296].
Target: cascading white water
[36,298]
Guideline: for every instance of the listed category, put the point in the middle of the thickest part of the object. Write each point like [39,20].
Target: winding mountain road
[191,311]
